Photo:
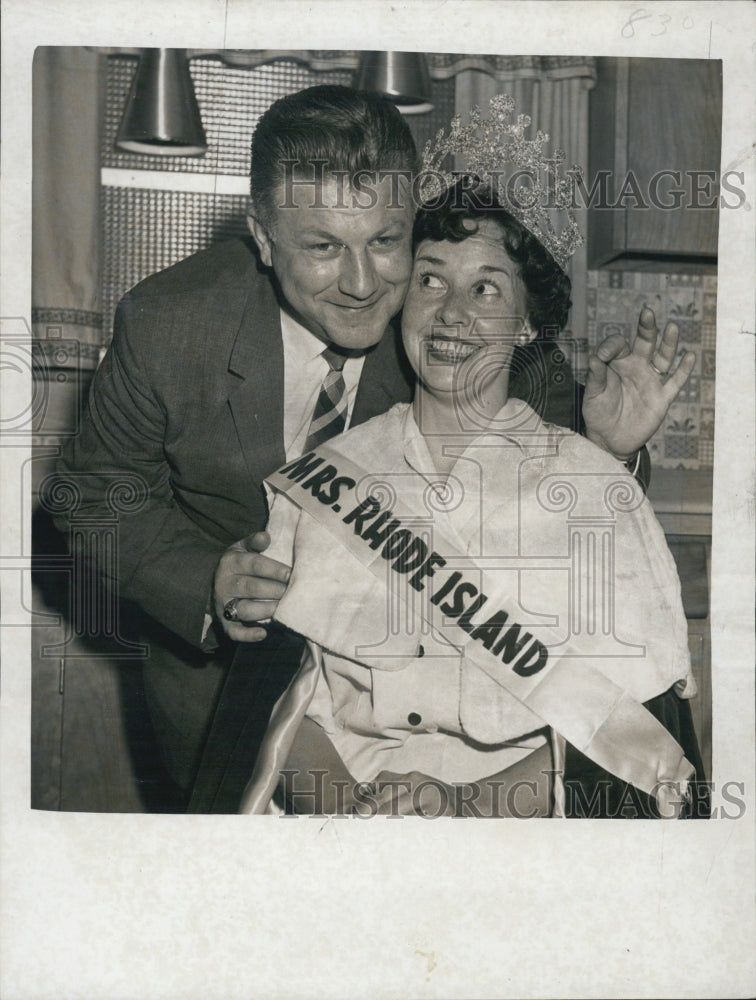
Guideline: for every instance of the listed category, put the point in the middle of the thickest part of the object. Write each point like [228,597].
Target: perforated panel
[147,230]
[230,102]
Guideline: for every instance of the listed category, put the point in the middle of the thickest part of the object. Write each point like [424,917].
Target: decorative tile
[651,282]
[690,331]
[685,439]
[686,280]
[620,304]
[685,302]
[608,307]
[708,335]
[709,307]
[707,423]
[707,391]
[680,446]
[681,419]
[705,453]
[691,391]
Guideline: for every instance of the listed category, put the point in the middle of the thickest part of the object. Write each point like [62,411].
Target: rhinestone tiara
[486,145]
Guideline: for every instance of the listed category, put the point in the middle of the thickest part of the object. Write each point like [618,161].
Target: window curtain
[554,92]
[68,101]
[81,757]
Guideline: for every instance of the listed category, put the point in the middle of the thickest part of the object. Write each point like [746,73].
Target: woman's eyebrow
[430,260]
[440,262]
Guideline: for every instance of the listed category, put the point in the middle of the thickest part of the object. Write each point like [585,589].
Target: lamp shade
[161,114]
[403,77]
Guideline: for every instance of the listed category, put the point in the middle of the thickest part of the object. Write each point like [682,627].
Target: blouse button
[414,719]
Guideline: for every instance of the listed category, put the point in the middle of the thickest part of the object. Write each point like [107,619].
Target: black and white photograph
[377,446]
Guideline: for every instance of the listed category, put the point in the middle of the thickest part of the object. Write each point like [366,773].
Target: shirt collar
[516,421]
[300,344]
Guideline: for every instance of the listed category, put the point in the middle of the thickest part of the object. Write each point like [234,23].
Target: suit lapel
[256,364]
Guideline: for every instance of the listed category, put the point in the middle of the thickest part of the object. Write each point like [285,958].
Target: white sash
[589,710]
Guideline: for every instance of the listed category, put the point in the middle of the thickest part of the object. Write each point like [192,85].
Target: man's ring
[230,612]
[653,366]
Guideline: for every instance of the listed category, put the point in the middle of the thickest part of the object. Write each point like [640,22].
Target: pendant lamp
[403,77]
[161,115]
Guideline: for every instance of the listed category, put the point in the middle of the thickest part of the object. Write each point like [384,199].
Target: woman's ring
[230,612]
[653,366]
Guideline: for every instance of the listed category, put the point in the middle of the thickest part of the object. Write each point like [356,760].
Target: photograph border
[211,906]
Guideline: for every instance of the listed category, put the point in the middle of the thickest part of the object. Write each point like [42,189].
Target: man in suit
[210,384]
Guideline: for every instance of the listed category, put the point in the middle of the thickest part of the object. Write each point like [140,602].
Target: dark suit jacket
[189,398]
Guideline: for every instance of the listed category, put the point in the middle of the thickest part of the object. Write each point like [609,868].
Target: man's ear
[262,239]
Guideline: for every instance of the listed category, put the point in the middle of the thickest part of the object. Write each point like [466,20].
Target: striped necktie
[329,415]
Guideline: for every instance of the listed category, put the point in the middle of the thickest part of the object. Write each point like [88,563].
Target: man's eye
[323,247]
[430,281]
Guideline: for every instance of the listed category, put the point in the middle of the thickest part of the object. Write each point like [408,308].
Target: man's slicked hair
[345,129]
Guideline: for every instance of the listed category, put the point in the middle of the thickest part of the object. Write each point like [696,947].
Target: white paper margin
[121,906]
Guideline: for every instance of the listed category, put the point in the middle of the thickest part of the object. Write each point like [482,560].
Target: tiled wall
[615,298]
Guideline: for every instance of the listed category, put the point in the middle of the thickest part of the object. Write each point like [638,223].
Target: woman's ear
[262,239]
[527,335]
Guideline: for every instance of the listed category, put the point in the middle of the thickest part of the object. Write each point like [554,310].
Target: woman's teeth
[452,350]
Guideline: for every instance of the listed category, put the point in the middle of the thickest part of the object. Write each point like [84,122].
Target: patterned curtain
[442,65]
[68,102]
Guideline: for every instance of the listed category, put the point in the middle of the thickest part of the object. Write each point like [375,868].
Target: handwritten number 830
[658,20]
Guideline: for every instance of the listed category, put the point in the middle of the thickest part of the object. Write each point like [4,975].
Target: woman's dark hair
[330,127]
[547,287]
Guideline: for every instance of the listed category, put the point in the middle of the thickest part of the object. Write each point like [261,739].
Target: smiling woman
[482,288]
[449,687]
[471,283]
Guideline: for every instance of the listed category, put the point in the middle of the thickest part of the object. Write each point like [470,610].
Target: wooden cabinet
[653,178]
[699,644]
[681,499]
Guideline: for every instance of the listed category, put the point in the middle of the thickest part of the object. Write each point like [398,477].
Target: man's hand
[626,399]
[255,580]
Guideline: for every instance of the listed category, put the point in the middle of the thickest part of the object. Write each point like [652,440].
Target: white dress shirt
[304,371]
